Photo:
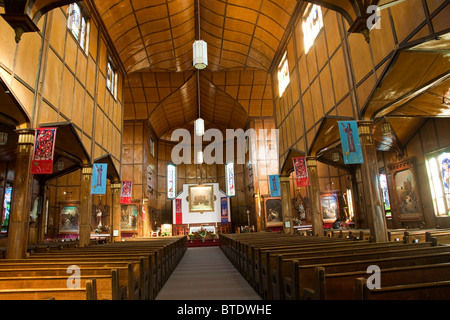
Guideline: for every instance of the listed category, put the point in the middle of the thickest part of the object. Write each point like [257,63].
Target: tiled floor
[205,273]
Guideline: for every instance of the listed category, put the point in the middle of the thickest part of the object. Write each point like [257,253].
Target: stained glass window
[171,181]
[438,169]
[229,174]
[111,79]
[78,24]
[385,195]
[283,75]
[312,24]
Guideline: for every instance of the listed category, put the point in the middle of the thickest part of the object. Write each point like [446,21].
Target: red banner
[178,212]
[125,195]
[301,172]
[44,148]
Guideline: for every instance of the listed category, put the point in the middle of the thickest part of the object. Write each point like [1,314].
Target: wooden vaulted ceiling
[154,42]
[158,35]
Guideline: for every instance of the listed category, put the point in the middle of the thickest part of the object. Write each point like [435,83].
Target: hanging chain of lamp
[200,62]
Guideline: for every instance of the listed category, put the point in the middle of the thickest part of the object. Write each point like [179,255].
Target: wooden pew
[116,290]
[89,292]
[126,272]
[275,261]
[442,237]
[302,275]
[340,286]
[439,290]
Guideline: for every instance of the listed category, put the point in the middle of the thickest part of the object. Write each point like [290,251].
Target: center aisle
[205,273]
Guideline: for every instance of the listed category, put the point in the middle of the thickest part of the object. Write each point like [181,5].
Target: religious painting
[407,205]
[129,218]
[68,221]
[329,204]
[351,145]
[201,198]
[100,219]
[274,214]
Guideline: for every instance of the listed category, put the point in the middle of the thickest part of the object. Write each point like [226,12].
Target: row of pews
[128,270]
[292,267]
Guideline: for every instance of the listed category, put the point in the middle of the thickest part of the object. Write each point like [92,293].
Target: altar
[211,229]
[201,204]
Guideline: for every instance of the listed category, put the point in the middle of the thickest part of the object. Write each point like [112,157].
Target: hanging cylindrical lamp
[199,127]
[199,157]
[200,54]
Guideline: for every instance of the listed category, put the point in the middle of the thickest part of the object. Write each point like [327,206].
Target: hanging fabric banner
[351,145]
[274,182]
[99,178]
[301,172]
[178,212]
[125,195]
[224,210]
[44,148]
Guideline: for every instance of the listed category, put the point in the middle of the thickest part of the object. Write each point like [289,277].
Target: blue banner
[274,182]
[99,178]
[224,210]
[351,145]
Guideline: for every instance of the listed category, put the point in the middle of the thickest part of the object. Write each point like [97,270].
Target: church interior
[302,140]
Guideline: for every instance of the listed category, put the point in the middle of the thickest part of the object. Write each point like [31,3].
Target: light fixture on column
[335,156]
[3,138]
[199,47]
[60,165]
[386,129]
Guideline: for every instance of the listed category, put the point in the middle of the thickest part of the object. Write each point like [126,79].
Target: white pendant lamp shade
[200,51]
[199,157]
[199,127]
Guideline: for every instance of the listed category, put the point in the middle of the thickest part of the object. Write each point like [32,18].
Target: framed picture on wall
[329,205]
[407,204]
[129,218]
[68,219]
[274,213]
[201,198]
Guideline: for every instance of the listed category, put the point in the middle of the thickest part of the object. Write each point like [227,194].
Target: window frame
[83,42]
[284,78]
[435,181]
[114,81]
[309,39]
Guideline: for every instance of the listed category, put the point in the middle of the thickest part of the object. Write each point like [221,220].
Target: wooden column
[286,203]
[21,198]
[116,212]
[314,188]
[85,213]
[370,182]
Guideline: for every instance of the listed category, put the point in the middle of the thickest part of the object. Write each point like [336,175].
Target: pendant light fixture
[199,124]
[200,47]
[200,62]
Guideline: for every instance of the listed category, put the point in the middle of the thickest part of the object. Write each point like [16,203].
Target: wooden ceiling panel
[162,32]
